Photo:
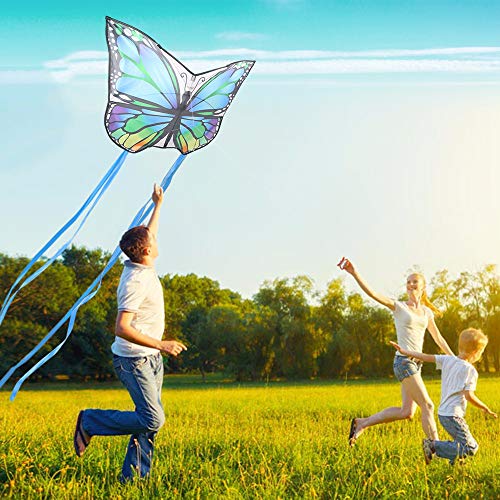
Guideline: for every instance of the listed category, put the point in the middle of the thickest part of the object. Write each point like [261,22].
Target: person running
[137,353]
[412,318]
[458,385]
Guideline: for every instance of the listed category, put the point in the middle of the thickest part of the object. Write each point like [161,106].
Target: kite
[153,101]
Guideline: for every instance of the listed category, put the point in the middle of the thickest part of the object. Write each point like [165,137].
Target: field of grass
[275,441]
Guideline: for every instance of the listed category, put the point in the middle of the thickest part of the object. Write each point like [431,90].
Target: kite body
[154,100]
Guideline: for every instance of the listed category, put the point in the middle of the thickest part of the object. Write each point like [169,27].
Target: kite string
[93,198]
[87,295]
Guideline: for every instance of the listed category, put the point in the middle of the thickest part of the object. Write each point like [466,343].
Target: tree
[93,333]
[185,293]
[35,310]
[480,292]
[329,317]
[446,296]
[294,345]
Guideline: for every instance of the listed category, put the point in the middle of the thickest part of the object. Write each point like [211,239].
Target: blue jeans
[143,378]
[463,443]
[405,367]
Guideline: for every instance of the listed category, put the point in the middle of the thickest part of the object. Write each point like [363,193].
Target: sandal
[352,433]
[80,442]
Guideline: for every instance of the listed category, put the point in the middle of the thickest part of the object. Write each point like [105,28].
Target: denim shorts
[405,367]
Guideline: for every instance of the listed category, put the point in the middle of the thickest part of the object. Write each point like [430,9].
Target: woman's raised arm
[346,265]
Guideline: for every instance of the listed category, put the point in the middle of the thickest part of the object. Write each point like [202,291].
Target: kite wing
[154,100]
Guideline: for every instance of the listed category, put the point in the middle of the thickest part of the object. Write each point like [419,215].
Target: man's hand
[404,352]
[172,347]
[157,195]
[157,198]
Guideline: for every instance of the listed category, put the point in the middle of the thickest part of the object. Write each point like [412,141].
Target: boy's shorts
[405,367]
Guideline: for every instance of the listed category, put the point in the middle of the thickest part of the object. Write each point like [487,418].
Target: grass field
[276,441]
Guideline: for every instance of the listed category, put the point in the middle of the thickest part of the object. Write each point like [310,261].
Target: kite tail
[91,201]
[91,291]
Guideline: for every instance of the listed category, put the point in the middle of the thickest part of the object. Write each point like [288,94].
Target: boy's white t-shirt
[410,327]
[141,293]
[457,375]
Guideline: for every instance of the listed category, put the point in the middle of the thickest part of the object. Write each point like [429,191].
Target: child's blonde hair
[425,299]
[471,340]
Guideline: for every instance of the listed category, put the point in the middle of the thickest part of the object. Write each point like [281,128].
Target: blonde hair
[471,340]
[425,299]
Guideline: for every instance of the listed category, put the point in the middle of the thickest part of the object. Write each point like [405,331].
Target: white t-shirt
[457,375]
[410,326]
[140,292]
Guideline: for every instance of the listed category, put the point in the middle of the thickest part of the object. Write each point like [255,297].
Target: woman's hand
[346,265]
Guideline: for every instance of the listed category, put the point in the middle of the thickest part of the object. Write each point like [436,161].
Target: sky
[365,129]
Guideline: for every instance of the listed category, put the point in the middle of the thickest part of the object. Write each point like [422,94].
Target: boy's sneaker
[428,450]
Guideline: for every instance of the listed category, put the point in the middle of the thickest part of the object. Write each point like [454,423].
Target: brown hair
[472,339]
[134,242]
[425,299]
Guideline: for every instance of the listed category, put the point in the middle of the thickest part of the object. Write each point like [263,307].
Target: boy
[458,383]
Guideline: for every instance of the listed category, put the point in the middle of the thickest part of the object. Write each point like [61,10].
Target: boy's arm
[428,358]
[157,198]
[474,400]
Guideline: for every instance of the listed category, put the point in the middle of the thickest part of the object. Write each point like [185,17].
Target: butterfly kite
[153,100]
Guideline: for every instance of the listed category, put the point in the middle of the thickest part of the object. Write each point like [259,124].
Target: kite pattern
[154,100]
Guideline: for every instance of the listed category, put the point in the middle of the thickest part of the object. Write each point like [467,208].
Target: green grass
[276,441]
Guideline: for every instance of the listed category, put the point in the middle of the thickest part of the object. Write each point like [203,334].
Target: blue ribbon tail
[91,201]
[91,291]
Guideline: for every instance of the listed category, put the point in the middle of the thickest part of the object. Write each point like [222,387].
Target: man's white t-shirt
[410,327]
[457,375]
[140,292]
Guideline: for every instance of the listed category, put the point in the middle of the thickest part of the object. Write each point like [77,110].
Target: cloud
[236,36]
[24,76]
[84,64]
[458,60]
[331,54]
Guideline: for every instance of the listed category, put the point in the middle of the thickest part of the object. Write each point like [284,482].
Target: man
[137,352]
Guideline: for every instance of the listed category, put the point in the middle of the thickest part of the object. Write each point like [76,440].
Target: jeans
[143,378]
[405,367]
[463,443]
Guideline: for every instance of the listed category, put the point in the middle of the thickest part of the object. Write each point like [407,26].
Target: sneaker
[428,450]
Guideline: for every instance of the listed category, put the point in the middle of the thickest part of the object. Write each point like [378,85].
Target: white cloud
[329,54]
[81,56]
[343,66]
[459,60]
[24,76]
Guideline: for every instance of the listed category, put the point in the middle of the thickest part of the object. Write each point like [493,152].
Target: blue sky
[367,129]
[284,25]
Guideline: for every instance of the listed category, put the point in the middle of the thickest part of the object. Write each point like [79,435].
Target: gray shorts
[405,367]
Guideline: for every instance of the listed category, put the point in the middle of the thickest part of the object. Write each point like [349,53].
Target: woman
[411,318]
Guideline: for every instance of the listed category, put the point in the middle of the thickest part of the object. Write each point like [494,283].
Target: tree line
[287,330]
